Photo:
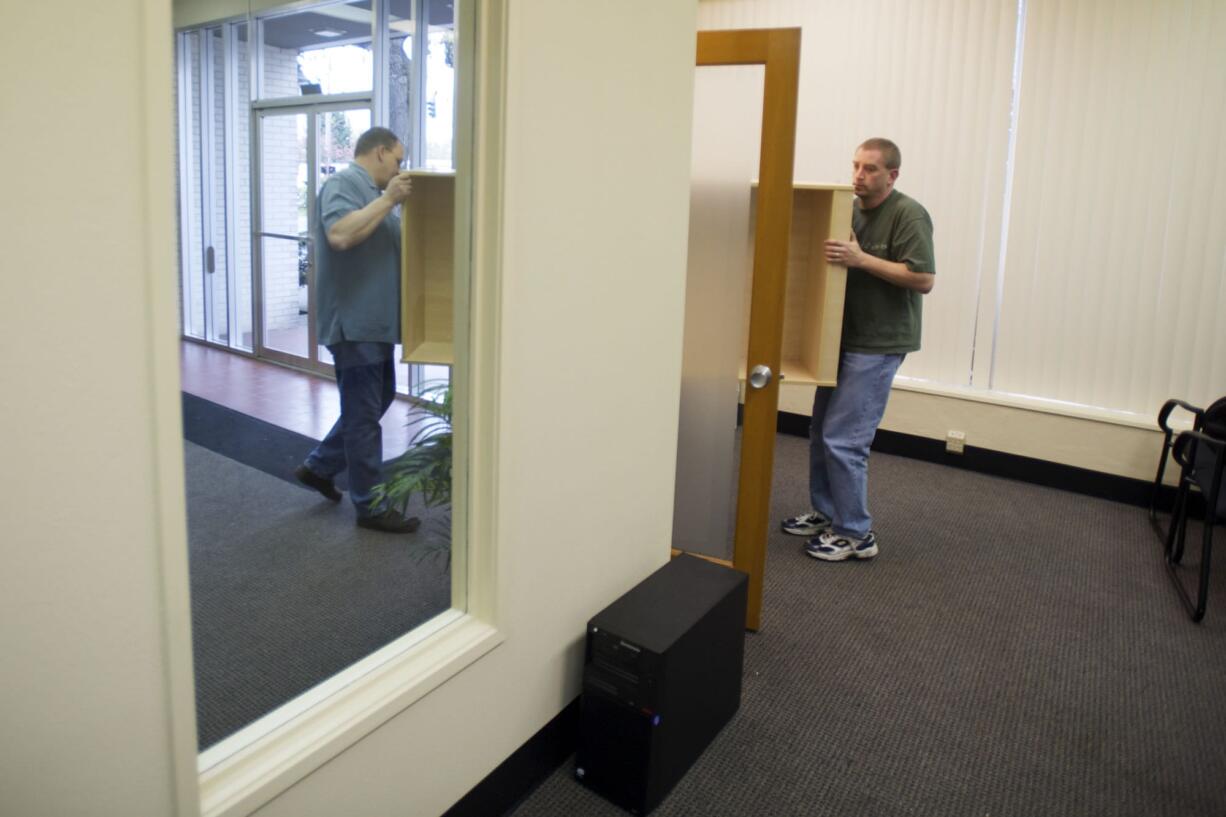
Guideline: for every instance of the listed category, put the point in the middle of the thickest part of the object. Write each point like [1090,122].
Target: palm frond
[424,469]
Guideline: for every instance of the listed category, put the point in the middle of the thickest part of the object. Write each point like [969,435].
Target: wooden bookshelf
[813,306]
[427,225]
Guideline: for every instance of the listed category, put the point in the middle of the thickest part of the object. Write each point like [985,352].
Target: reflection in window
[240,204]
[286,591]
[191,184]
[440,85]
[402,28]
[326,50]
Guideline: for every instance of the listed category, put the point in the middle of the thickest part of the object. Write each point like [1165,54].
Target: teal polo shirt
[357,290]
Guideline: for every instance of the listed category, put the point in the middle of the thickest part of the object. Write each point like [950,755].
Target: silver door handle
[210,264]
[759,377]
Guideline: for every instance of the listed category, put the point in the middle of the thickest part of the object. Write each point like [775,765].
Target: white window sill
[251,767]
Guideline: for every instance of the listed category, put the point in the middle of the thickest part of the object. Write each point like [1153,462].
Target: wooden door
[778,50]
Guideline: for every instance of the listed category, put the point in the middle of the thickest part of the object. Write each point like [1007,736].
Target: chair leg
[1195,609]
[1182,538]
[1206,548]
[1175,532]
[1157,489]
[1206,551]
[1175,537]
[1179,521]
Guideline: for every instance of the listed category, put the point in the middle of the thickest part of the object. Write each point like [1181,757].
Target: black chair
[1201,455]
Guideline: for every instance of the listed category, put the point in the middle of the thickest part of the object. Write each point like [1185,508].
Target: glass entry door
[299,147]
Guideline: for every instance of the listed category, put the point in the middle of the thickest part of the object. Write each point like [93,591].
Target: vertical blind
[933,76]
[1080,215]
[1114,285]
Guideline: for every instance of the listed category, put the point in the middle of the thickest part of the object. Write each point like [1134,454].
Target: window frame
[249,769]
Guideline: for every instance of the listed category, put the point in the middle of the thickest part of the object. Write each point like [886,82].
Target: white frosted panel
[727,135]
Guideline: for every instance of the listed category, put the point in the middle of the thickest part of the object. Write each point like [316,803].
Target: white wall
[937,76]
[934,75]
[597,196]
[1122,449]
[93,486]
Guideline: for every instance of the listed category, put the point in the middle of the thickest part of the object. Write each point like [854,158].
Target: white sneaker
[832,547]
[807,524]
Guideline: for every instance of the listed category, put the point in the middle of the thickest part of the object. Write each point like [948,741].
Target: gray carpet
[286,590]
[1014,650]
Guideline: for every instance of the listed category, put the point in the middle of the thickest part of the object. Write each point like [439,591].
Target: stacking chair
[1200,454]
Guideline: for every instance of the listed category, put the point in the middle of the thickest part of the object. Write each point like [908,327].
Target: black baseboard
[518,776]
[999,464]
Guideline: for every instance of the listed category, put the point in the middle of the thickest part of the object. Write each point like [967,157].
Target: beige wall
[597,196]
[1099,444]
[92,484]
[597,189]
[597,192]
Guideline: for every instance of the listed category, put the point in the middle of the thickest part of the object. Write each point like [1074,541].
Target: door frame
[778,50]
[290,107]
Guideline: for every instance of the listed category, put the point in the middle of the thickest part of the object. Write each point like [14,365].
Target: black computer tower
[661,676]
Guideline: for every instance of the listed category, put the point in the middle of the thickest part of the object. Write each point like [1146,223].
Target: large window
[323,50]
[402,69]
[270,106]
[422,63]
[438,123]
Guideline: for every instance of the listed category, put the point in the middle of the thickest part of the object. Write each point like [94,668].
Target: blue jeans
[845,419]
[356,440]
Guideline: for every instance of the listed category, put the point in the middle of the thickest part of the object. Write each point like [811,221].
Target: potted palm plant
[424,469]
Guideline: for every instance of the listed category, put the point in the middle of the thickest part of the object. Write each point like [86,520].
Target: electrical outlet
[955,442]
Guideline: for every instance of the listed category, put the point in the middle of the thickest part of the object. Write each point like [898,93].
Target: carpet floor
[1013,650]
[286,591]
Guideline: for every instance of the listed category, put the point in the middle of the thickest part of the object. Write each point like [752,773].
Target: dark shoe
[807,524]
[390,521]
[312,480]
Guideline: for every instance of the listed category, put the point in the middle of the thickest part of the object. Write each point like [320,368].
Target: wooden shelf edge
[434,352]
[753,183]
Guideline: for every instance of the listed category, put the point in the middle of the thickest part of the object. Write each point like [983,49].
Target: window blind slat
[1105,286]
[935,77]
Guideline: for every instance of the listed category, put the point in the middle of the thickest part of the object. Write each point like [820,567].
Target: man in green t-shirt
[890,266]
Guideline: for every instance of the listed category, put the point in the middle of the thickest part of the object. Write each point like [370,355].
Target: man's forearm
[897,273]
[358,226]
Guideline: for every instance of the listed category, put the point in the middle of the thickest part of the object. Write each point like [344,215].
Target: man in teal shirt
[357,252]
[890,266]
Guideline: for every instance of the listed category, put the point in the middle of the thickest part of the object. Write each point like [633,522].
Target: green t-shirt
[878,317]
